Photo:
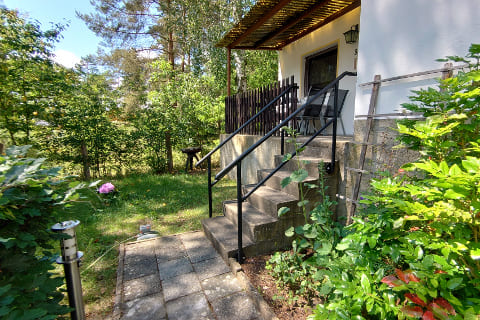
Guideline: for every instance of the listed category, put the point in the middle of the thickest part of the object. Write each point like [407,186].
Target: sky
[78,41]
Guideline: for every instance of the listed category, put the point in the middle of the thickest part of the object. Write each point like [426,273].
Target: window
[320,69]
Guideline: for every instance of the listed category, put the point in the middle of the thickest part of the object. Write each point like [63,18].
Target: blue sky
[78,40]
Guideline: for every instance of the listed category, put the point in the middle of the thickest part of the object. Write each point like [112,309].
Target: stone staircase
[263,230]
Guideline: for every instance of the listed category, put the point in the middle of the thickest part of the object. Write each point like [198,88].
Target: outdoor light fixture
[351,36]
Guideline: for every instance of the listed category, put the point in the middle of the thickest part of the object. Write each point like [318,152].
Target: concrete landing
[179,277]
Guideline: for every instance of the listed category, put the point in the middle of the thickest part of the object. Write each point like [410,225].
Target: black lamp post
[351,36]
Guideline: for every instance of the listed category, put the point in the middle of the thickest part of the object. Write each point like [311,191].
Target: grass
[169,203]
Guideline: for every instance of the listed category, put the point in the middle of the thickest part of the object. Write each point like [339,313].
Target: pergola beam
[260,22]
[324,22]
[290,23]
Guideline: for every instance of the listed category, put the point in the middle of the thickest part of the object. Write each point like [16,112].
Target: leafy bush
[301,271]
[413,249]
[423,222]
[30,197]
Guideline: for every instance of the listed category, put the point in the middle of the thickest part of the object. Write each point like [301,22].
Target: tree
[79,128]
[28,77]
[184,34]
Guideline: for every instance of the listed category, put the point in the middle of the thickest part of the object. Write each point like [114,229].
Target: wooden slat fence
[241,107]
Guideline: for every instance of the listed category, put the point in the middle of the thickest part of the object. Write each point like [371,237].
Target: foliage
[28,77]
[81,127]
[413,250]
[101,122]
[300,271]
[181,98]
[428,215]
[31,198]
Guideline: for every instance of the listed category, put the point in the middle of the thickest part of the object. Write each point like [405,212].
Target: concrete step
[275,182]
[223,235]
[263,230]
[255,223]
[322,141]
[320,147]
[269,200]
[308,163]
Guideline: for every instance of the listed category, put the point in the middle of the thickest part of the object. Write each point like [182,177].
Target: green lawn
[169,203]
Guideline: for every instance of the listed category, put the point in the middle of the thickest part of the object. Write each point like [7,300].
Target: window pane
[321,69]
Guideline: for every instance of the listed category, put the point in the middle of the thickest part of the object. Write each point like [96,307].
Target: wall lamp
[351,36]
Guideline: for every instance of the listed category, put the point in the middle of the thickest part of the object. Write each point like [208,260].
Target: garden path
[179,277]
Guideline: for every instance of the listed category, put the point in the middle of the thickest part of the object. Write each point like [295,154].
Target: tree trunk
[168,147]
[168,141]
[241,78]
[86,166]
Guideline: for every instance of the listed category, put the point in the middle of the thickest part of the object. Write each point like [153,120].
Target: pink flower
[106,188]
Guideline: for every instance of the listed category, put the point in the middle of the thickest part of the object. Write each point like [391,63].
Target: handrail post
[334,128]
[239,212]
[209,170]
[282,142]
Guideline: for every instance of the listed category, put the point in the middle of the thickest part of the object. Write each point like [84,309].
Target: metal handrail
[208,157]
[293,154]
[332,84]
[230,137]
[238,161]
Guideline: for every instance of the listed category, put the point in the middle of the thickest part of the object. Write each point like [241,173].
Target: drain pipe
[71,261]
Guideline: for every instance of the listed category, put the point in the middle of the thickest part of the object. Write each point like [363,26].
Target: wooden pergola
[273,24]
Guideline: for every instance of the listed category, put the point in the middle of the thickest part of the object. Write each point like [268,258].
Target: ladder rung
[357,170]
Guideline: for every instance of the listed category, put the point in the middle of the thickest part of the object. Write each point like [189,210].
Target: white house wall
[292,58]
[399,37]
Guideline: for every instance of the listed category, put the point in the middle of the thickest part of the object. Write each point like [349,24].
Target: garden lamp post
[71,260]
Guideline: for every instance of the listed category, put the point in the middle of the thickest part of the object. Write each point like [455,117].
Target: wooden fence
[241,107]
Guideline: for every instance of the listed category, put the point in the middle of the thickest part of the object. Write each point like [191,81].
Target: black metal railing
[329,167]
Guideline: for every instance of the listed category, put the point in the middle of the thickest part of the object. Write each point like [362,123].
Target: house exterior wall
[292,58]
[402,37]
[399,38]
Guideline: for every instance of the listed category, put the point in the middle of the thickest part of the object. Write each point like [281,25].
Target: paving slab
[173,268]
[147,308]
[180,286]
[141,287]
[221,286]
[191,307]
[210,268]
[138,261]
[170,253]
[237,306]
[198,247]
[179,277]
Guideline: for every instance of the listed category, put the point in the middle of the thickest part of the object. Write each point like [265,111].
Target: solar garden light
[71,261]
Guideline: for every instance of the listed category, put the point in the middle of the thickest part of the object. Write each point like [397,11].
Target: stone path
[179,277]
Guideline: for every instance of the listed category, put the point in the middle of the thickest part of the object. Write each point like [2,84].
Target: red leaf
[415,299]
[402,276]
[445,305]
[440,271]
[439,311]
[413,277]
[392,281]
[412,311]
[428,315]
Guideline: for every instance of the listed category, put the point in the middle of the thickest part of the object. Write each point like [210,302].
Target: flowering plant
[108,193]
[106,188]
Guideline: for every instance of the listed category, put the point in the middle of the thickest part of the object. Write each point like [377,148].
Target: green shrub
[413,249]
[415,245]
[30,197]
